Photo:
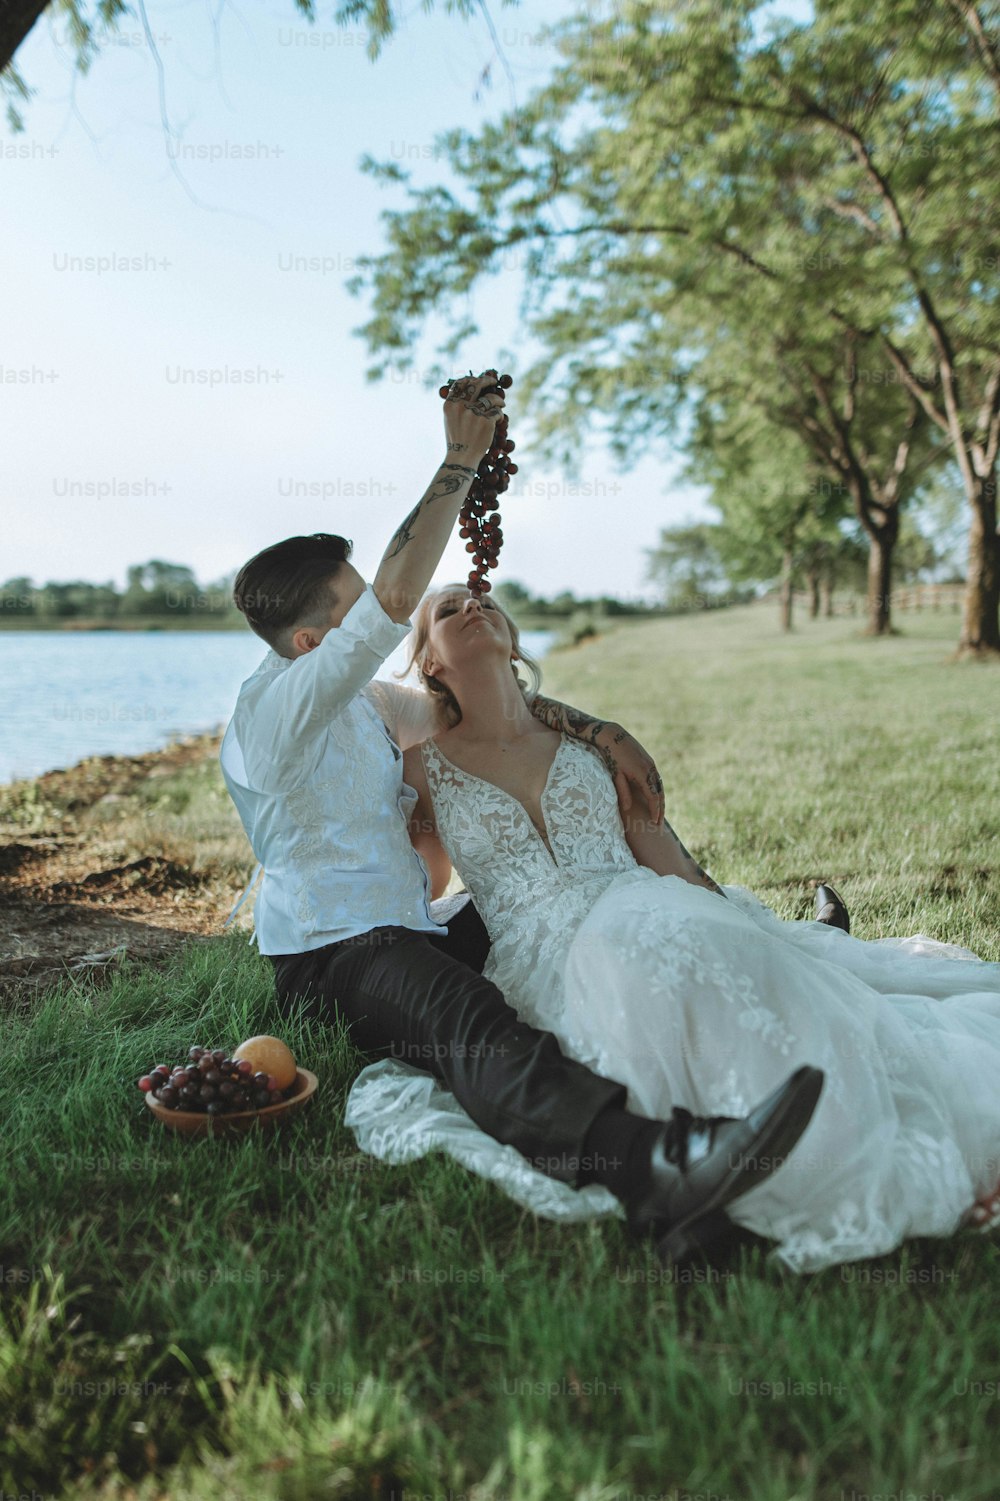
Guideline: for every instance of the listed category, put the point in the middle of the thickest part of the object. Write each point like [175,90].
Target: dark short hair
[291,583]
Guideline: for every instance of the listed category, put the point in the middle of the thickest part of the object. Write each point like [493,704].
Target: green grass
[291,1319]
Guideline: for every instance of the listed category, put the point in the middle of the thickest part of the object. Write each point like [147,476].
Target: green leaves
[789,219]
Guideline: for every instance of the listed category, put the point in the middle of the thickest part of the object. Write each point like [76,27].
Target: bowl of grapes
[215,1092]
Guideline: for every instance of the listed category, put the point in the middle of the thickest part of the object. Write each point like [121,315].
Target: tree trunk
[881,521]
[880,580]
[787,573]
[813,578]
[16,19]
[826,591]
[981,605]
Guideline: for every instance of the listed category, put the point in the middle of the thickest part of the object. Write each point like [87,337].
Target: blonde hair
[446,704]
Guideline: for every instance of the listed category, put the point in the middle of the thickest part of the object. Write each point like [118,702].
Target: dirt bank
[80,886]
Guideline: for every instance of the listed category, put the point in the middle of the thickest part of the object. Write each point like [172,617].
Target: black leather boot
[700,1164]
[831,908]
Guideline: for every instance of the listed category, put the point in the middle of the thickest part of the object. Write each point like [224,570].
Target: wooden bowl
[197,1123]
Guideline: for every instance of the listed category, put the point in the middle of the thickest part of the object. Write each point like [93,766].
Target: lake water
[72,694]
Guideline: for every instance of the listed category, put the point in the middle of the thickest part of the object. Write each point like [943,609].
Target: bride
[614,939]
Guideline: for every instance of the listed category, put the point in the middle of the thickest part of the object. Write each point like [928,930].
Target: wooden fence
[938,597]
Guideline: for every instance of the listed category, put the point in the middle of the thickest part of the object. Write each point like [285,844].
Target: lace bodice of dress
[516,881]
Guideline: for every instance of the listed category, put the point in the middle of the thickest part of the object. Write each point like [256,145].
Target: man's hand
[470,416]
[416,546]
[632,769]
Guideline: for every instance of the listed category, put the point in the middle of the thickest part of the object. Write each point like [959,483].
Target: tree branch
[989,418]
[851,211]
[988,50]
[17,17]
[542,232]
[914,384]
[813,109]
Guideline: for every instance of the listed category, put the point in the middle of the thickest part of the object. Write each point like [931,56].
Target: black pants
[421,998]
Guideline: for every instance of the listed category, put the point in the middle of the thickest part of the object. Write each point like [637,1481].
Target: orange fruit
[269,1055]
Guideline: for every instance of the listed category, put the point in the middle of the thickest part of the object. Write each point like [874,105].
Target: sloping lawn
[287,1318]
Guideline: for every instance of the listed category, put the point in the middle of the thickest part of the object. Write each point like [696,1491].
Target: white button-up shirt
[313,761]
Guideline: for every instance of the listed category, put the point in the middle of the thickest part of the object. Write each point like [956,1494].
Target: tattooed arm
[416,546]
[657,846]
[628,764]
[651,839]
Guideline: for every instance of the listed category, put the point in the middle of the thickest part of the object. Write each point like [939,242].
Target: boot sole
[705,1225]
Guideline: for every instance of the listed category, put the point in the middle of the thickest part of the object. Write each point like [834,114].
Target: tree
[17,597]
[17,17]
[512,595]
[917,555]
[783,495]
[776,505]
[941,517]
[87,27]
[805,196]
[159,588]
[907,111]
[90,21]
[688,567]
[76,600]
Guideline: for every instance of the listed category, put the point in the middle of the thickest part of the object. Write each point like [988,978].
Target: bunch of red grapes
[479,518]
[212,1082]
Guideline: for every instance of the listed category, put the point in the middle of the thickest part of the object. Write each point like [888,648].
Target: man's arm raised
[470,415]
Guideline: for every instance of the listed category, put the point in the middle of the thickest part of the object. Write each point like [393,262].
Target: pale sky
[116,284]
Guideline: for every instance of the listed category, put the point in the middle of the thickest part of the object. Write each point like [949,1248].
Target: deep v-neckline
[543,840]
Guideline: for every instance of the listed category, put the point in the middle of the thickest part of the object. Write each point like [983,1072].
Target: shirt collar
[271,663]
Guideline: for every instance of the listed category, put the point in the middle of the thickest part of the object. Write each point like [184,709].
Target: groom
[312,760]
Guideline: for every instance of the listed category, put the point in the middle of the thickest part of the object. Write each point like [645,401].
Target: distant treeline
[164,593]
[524,605]
[152,589]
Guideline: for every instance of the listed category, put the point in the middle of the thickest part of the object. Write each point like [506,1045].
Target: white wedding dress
[707,1001]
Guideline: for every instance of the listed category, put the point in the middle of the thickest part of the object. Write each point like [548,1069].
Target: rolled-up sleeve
[317,686]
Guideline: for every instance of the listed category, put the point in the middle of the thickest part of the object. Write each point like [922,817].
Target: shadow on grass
[285,1317]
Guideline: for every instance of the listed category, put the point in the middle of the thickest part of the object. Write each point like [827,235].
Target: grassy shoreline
[292,1319]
